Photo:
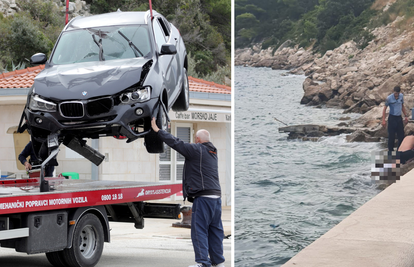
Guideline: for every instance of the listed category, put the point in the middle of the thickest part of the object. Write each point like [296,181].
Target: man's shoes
[213,265]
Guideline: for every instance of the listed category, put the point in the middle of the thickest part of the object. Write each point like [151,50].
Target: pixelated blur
[386,166]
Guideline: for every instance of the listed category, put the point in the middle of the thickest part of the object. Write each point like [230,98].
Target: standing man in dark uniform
[201,186]
[395,123]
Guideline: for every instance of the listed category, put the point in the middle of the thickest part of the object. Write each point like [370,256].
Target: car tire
[183,101]
[56,258]
[87,243]
[153,143]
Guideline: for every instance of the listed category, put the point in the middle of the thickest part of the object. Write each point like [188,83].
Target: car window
[164,26]
[85,45]
[159,35]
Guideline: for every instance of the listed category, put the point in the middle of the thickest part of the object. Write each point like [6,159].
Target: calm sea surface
[289,192]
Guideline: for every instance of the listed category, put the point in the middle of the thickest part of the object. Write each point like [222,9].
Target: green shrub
[27,39]
[217,76]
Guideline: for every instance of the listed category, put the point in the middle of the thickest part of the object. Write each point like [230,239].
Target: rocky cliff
[349,78]
[77,8]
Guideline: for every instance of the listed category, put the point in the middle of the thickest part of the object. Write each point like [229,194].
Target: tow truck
[70,222]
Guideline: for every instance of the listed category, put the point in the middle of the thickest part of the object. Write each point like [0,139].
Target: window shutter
[183,133]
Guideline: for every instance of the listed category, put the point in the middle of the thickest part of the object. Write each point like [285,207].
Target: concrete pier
[380,233]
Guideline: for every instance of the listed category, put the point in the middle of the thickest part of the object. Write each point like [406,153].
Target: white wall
[127,161]
[9,117]
[67,163]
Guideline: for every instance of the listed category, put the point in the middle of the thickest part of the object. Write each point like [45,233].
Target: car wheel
[153,143]
[56,258]
[87,244]
[183,101]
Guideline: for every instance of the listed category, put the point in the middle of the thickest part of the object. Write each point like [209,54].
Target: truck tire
[87,244]
[183,100]
[56,258]
[153,143]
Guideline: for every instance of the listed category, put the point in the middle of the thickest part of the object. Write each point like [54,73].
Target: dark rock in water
[274,225]
[302,131]
[313,132]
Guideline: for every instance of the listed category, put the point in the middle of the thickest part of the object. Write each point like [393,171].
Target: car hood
[88,80]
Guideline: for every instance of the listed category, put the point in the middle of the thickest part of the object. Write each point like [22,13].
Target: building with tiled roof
[210,108]
[24,79]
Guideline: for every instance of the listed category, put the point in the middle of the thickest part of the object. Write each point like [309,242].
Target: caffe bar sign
[201,115]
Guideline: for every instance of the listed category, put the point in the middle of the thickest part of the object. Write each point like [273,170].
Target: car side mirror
[168,49]
[38,58]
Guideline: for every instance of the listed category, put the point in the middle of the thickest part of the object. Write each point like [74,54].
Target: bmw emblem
[84,93]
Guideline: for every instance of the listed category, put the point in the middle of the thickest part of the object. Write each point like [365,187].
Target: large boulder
[312,90]
[388,86]
[361,136]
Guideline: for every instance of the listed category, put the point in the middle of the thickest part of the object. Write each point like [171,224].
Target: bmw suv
[108,75]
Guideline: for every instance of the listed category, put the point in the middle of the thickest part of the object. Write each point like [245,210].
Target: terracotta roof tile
[198,85]
[24,79]
[20,78]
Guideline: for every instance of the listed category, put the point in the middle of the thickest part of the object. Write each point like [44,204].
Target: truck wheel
[56,258]
[87,244]
[153,143]
[183,100]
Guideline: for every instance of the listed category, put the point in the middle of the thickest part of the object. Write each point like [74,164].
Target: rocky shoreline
[356,80]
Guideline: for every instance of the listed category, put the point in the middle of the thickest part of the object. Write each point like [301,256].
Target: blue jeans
[207,230]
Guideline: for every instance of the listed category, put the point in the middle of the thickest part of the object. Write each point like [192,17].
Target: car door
[167,63]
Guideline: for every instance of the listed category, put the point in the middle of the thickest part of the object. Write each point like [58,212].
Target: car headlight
[138,95]
[36,103]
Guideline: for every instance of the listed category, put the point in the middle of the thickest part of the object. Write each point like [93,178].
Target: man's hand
[383,123]
[27,166]
[154,125]
[406,119]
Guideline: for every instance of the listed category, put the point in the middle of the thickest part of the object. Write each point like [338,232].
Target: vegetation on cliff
[323,24]
[205,26]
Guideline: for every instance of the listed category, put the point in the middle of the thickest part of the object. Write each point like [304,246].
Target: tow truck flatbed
[22,195]
[70,222]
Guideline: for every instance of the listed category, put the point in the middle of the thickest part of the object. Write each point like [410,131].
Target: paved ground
[378,234]
[157,245]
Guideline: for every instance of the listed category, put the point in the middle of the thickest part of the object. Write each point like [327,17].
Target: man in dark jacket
[28,151]
[202,187]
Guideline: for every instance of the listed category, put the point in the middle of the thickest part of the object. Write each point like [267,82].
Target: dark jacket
[200,175]
[28,151]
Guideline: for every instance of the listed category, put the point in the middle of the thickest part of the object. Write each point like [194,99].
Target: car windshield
[103,43]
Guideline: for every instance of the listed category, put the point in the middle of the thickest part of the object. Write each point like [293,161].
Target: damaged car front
[108,76]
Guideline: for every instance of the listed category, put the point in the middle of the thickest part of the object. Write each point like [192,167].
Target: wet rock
[361,136]
[311,131]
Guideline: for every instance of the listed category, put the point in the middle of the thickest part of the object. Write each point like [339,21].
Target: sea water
[289,192]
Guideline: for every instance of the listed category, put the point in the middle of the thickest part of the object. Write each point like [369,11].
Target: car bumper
[117,121]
